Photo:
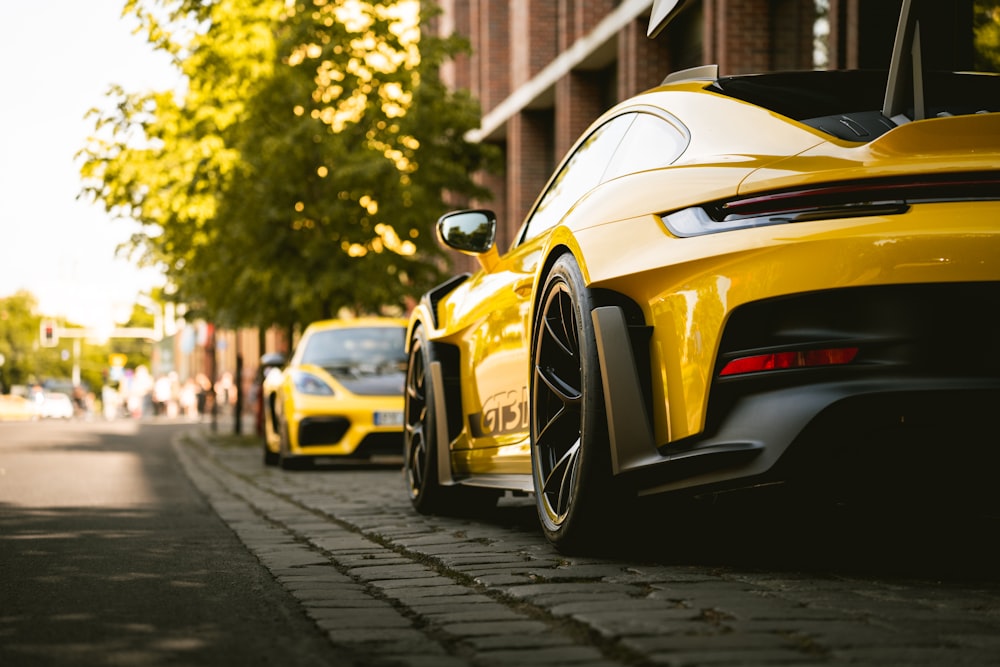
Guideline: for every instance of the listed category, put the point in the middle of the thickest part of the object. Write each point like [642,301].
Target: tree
[137,351]
[986,29]
[306,163]
[19,339]
[164,160]
[27,362]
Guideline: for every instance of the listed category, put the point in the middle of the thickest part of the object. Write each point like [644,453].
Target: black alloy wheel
[427,494]
[419,457]
[570,456]
[285,460]
[270,458]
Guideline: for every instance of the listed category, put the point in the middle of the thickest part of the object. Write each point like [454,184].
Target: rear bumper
[919,399]
[841,436]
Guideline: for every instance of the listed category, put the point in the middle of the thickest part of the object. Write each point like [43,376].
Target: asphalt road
[109,556]
[149,544]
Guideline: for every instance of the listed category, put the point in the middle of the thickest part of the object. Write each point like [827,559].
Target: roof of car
[358,322]
[809,94]
[844,103]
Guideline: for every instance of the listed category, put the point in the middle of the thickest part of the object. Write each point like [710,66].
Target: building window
[821,35]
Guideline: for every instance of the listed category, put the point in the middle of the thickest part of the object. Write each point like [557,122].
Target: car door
[498,345]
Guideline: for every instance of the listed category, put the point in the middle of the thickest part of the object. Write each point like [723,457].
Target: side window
[579,174]
[650,143]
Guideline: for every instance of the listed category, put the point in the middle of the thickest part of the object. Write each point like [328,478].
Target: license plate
[389,418]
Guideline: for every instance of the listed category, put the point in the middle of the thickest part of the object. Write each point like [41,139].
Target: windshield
[355,346]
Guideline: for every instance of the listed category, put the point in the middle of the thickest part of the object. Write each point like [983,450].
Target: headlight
[307,383]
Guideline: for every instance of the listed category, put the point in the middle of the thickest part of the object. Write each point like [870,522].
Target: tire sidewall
[423,497]
[586,516]
[285,459]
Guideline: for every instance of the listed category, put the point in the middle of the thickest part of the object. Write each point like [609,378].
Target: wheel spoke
[556,330]
[564,392]
[415,425]
[559,484]
[417,456]
[558,399]
[413,392]
[567,317]
[415,382]
[550,426]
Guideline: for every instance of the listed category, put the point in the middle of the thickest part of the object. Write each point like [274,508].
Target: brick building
[543,70]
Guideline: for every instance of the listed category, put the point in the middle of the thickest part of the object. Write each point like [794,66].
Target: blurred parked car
[729,281]
[341,394]
[14,407]
[55,405]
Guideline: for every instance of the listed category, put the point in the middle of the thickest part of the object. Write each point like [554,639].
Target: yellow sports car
[341,394]
[728,282]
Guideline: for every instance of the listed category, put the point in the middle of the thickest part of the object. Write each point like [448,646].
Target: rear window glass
[650,143]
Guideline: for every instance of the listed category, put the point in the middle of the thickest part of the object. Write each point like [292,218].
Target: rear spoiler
[952,135]
[905,85]
[663,12]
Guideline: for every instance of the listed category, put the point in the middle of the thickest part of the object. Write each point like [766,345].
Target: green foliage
[986,27]
[303,168]
[27,362]
[19,328]
[138,352]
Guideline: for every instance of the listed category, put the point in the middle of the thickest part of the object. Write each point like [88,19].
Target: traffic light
[48,334]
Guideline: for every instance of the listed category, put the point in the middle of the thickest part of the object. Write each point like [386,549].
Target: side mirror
[272,360]
[472,232]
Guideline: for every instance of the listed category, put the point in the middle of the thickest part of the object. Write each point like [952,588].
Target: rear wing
[904,88]
[663,12]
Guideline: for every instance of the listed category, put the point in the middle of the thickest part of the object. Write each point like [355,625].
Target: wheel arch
[553,255]
[623,348]
[270,420]
[449,356]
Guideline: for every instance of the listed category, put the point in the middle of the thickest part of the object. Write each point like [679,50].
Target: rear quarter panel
[688,287]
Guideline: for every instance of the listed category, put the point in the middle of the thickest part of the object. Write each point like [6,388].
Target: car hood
[368,382]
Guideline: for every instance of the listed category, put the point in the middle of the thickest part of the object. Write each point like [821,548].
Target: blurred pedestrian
[225,392]
[161,395]
[204,389]
[111,402]
[140,392]
[188,400]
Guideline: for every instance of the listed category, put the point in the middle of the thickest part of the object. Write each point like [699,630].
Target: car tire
[286,461]
[570,452]
[420,471]
[270,458]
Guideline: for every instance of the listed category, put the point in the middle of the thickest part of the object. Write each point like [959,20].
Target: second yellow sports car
[729,282]
[341,394]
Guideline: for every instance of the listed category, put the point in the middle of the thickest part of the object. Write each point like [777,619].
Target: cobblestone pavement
[750,586]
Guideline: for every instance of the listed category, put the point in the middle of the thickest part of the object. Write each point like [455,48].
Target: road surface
[154,543]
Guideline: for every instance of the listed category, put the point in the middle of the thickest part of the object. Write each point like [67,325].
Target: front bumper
[359,428]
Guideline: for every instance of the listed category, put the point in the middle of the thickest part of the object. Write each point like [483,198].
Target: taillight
[786,360]
[887,196]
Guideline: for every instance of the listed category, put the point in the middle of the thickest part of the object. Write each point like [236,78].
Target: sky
[57,60]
